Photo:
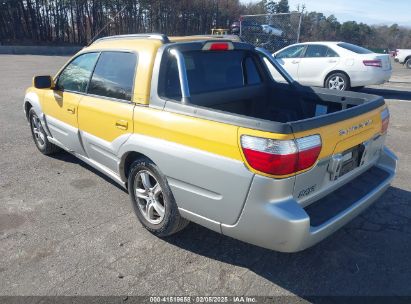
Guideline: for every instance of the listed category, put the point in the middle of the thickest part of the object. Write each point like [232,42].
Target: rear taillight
[385,120]
[308,150]
[374,63]
[281,157]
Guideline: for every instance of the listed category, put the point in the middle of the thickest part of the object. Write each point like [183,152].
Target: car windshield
[354,48]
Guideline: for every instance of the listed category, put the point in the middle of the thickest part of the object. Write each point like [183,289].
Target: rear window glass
[209,72]
[354,48]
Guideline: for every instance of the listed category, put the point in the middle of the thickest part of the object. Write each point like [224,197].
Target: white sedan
[334,65]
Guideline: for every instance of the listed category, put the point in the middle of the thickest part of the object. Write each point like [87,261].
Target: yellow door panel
[104,126]
[104,118]
[61,106]
[60,109]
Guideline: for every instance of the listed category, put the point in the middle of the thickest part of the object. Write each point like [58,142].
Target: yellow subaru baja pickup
[197,129]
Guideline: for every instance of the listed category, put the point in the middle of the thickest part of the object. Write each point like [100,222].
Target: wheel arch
[27,107]
[31,100]
[337,71]
[126,160]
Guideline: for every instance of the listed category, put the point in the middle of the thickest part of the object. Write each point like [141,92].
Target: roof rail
[163,38]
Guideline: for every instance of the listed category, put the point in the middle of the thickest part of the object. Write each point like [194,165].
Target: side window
[169,81]
[291,52]
[114,75]
[76,74]
[331,53]
[251,72]
[315,51]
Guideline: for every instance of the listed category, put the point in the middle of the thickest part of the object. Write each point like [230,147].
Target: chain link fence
[270,31]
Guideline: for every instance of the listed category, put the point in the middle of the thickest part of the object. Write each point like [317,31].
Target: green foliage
[283,7]
[274,7]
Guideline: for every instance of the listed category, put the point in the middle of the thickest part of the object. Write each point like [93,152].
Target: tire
[152,199]
[40,136]
[408,63]
[337,81]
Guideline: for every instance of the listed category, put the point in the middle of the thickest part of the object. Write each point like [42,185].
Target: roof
[163,39]
[148,44]
[131,42]
[204,37]
[321,42]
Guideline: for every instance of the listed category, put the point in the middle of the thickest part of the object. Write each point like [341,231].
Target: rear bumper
[372,76]
[282,224]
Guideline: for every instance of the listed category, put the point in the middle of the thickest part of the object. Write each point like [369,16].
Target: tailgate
[347,147]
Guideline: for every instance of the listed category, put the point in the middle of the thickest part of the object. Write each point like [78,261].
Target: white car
[403,56]
[334,65]
[269,29]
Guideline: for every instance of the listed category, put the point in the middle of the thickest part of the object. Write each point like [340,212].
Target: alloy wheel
[38,131]
[336,83]
[149,196]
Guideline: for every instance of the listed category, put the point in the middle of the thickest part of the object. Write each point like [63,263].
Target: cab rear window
[209,71]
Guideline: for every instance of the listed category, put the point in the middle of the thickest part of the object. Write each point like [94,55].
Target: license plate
[351,159]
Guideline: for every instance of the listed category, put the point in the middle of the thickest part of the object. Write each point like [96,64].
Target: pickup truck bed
[269,106]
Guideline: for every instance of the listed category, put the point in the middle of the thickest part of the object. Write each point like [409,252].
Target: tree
[283,7]
[78,21]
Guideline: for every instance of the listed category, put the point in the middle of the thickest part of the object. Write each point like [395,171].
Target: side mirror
[274,55]
[43,82]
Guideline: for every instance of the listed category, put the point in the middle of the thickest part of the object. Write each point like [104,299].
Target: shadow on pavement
[67,157]
[369,256]
[389,93]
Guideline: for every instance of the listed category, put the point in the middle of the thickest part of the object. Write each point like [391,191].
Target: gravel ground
[65,229]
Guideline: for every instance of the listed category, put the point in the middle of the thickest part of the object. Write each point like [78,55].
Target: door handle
[122,124]
[71,110]
[332,60]
[295,61]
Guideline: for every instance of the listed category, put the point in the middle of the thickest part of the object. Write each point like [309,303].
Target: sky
[366,11]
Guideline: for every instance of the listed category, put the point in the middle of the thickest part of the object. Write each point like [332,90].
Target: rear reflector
[374,63]
[281,157]
[218,46]
[385,120]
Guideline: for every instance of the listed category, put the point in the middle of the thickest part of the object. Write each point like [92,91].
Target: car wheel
[152,199]
[337,81]
[40,136]
[408,63]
